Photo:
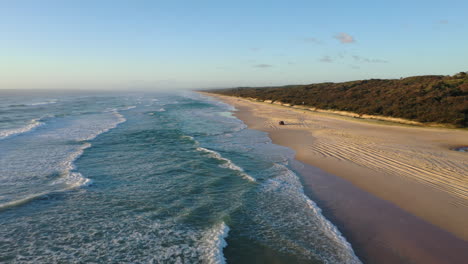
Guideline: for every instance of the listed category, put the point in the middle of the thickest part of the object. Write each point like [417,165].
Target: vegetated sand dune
[413,167]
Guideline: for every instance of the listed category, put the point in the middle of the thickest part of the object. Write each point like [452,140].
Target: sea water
[150,178]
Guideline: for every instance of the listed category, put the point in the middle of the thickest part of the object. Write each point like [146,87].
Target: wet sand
[401,195]
[379,231]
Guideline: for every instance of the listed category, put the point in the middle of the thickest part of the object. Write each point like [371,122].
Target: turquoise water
[150,178]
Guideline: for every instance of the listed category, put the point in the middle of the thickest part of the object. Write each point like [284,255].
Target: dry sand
[412,167]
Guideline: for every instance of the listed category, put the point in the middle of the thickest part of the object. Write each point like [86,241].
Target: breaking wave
[16,131]
[119,119]
[227,163]
[127,108]
[53,101]
[69,179]
[213,243]
[284,195]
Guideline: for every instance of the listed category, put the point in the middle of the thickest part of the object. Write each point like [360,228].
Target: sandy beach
[408,167]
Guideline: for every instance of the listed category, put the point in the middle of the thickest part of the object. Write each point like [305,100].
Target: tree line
[427,99]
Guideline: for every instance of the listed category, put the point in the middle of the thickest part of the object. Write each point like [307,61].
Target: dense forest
[428,99]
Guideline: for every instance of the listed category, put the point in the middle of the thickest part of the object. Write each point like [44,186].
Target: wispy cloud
[255,49]
[262,65]
[443,22]
[327,59]
[364,59]
[345,38]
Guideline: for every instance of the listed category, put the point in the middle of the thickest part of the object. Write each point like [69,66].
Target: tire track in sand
[432,169]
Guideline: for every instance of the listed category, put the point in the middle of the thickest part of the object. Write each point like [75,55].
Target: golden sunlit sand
[414,167]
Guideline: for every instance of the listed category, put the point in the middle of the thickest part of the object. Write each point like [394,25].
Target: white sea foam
[69,177]
[127,108]
[212,101]
[159,110]
[227,163]
[189,137]
[68,180]
[226,114]
[242,126]
[21,201]
[148,240]
[52,101]
[213,243]
[286,190]
[30,126]
[120,119]
[75,179]
[57,159]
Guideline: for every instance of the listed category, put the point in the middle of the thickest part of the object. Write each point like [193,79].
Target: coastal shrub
[430,99]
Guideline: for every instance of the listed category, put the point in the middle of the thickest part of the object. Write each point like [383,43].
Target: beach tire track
[443,175]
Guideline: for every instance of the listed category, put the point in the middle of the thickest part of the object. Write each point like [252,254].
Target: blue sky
[137,44]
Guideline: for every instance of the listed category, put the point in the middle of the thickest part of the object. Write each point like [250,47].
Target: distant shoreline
[411,166]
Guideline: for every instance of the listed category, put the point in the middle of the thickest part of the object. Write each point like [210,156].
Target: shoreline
[436,207]
[379,231]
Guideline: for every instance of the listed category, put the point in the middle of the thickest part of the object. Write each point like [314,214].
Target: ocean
[150,178]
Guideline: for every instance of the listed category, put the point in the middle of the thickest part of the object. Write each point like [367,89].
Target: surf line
[227,163]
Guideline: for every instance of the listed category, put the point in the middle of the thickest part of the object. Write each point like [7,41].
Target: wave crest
[16,131]
[227,163]
[214,241]
[52,101]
